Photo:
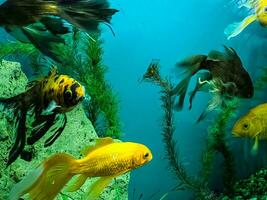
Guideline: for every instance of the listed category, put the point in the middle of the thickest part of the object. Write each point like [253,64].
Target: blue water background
[171,30]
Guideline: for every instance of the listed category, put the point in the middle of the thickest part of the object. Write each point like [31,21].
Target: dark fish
[224,75]
[48,99]
[42,22]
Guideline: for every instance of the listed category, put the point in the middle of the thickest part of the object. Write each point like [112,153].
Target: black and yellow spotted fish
[48,99]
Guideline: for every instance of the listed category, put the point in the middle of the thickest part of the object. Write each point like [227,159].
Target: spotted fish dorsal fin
[53,71]
[100,142]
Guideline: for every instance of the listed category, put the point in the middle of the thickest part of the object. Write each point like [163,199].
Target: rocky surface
[77,134]
[253,188]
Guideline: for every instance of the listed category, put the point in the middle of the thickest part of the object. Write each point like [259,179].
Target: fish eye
[68,94]
[146,155]
[245,126]
[265,9]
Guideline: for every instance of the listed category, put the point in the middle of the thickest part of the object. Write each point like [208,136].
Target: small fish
[41,22]
[224,76]
[48,99]
[253,125]
[106,160]
[260,14]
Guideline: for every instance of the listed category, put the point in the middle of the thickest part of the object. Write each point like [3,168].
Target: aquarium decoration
[216,143]
[253,187]
[184,180]
[80,57]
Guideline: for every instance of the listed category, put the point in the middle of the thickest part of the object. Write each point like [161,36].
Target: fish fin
[57,172]
[234,29]
[97,187]
[180,90]
[86,14]
[43,40]
[57,131]
[216,56]
[100,142]
[201,82]
[193,63]
[255,148]
[17,33]
[19,109]
[53,71]
[50,108]
[55,25]
[41,125]
[19,144]
[77,183]
[21,187]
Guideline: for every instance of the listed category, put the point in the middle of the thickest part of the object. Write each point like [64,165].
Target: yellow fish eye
[245,126]
[146,155]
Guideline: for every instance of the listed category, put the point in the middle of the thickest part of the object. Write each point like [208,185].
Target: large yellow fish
[253,125]
[107,160]
[260,14]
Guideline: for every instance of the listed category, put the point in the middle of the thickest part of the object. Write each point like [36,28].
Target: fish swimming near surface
[259,14]
[41,22]
[224,76]
[106,160]
[253,125]
[48,99]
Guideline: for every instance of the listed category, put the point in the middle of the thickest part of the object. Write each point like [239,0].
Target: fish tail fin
[97,187]
[48,179]
[19,108]
[77,183]
[43,40]
[234,29]
[86,14]
[193,65]
[21,188]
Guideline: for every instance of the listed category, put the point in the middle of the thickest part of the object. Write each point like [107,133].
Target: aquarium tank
[138,100]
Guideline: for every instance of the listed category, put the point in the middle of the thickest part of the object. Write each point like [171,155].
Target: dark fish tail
[20,111]
[41,125]
[55,25]
[43,40]
[19,144]
[57,130]
[192,65]
[86,14]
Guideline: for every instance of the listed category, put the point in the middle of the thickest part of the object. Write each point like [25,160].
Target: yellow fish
[260,15]
[107,160]
[253,125]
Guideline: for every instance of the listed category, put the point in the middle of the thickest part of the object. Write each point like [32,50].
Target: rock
[76,135]
[253,188]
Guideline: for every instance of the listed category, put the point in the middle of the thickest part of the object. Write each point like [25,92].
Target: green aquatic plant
[184,180]
[81,58]
[261,80]
[216,143]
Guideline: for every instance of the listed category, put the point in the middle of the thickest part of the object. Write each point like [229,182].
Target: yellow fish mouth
[235,133]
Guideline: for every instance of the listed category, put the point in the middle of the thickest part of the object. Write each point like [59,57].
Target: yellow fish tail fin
[21,188]
[49,178]
[75,185]
[234,29]
[97,187]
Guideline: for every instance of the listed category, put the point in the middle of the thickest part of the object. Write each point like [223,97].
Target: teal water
[170,31]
